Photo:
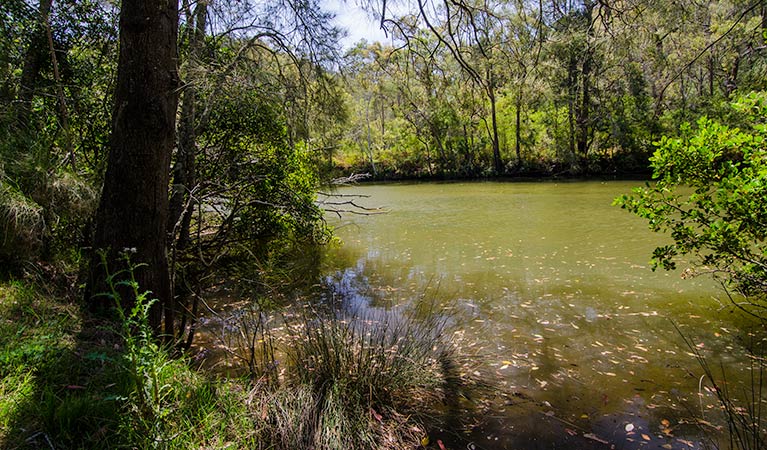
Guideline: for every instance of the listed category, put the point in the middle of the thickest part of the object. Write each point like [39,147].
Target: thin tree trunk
[33,62]
[63,111]
[182,201]
[582,120]
[518,130]
[571,106]
[185,170]
[133,211]
[497,161]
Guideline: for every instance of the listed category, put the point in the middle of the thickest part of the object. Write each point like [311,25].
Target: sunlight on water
[555,283]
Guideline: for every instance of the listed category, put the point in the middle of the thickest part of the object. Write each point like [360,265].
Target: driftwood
[340,204]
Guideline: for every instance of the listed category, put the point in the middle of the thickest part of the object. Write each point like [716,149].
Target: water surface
[554,287]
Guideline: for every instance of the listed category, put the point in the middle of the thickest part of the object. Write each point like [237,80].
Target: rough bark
[133,211]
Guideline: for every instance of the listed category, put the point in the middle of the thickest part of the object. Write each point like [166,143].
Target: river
[554,286]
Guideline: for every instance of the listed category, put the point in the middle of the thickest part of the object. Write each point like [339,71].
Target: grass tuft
[366,374]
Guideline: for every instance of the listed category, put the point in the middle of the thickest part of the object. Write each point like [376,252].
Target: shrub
[710,194]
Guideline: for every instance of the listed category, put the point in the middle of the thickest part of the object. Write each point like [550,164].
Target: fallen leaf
[629,427]
[665,423]
[594,437]
[646,437]
[441,445]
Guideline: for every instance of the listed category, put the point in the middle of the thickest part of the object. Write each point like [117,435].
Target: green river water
[552,288]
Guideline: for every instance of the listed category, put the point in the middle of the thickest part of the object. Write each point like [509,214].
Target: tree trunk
[572,79]
[33,62]
[518,130]
[182,200]
[133,211]
[497,161]
[185,170]
[582,120]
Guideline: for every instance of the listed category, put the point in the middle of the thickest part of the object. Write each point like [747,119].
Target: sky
[356,21]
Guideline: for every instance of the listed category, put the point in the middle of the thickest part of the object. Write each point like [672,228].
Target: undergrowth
[72,380]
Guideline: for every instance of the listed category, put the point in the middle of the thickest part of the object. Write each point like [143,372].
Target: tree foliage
[710,194]
[547,87]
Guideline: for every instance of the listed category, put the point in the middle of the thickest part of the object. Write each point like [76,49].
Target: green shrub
[710,195]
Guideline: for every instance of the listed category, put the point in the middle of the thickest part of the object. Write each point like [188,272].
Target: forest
[158,156]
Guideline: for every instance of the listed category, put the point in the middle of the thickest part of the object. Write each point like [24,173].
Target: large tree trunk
[133,211]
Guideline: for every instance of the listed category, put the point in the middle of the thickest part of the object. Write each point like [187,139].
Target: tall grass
[743,410]
[350,381]
[375,380]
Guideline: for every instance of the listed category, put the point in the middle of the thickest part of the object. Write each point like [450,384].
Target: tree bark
[582,119]
[133,211]
[518,129]
[33,62]
[185,170]
[497,161]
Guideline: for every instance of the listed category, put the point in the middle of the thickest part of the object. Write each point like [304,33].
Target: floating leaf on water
[594,437]
[646,437]
[665,423]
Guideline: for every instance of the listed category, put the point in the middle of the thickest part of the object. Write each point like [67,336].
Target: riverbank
[73,380]
[595,168]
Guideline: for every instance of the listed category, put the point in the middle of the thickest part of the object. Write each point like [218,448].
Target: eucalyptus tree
[574,49]
[525,42]
[250,178]
[471,31]
[443,105]
[133,211]
[366,75]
